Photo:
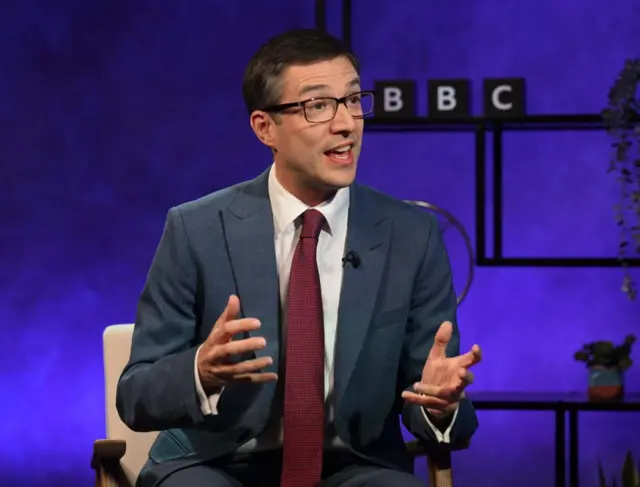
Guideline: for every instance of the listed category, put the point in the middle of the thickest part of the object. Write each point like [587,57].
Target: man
[288,321]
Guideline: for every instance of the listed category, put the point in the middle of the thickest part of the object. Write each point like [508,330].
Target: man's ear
[263,126]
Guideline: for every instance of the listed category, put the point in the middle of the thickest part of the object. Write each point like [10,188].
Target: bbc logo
[450,98]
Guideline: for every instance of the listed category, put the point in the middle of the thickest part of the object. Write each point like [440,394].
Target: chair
[118,459]
[446,219]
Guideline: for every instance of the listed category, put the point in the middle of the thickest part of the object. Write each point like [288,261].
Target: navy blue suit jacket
[390,309]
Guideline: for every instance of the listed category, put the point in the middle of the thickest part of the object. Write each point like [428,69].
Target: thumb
[230,313]
[232,310]
[441,340]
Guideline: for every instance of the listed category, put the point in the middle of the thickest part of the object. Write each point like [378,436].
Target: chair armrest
[106,462]
[107,451]
[438,460]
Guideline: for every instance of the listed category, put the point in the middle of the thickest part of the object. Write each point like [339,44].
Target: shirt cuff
[443,437]
[208,405]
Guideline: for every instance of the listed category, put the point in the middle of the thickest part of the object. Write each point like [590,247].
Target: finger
[441,340]
[245,367]
[221,352]
[224,331]
[435,391]
[231,312]
[467,378]
[471,358]
[425,401]
[450,393]
[234,327]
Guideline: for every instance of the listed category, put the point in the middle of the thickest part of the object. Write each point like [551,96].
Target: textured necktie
[303,422]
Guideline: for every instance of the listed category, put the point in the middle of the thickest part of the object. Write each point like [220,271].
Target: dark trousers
[263,469]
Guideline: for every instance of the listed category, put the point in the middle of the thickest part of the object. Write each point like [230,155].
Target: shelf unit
[482,127]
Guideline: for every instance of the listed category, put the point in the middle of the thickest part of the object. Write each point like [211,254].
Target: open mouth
[342,155]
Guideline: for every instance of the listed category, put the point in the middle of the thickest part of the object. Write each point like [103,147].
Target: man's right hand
[214,365]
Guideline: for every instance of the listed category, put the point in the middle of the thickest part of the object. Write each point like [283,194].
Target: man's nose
[343,121]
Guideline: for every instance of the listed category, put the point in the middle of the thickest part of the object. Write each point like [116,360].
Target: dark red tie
[303,424]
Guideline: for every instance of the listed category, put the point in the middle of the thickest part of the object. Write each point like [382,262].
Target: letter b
[392,96]
[449,98]
[395,99]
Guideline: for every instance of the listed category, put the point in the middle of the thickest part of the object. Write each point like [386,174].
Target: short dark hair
[261,83]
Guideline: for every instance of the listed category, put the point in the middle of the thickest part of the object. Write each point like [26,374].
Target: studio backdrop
[112,112]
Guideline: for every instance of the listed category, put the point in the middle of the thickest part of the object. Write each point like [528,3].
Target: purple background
[113,111]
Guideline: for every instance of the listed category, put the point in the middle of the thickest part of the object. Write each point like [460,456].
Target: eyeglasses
[324,109]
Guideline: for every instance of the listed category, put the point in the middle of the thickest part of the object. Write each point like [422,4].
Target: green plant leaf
[581,356]
[619,118]
[630,477]
[624,363]
[603,347]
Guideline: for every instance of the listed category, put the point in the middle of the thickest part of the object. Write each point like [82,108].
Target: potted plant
[630,476]
[606,363]
[621,118]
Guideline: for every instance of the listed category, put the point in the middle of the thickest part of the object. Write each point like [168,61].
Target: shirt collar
[287,208]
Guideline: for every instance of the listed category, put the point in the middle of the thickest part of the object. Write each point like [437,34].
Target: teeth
[343,149]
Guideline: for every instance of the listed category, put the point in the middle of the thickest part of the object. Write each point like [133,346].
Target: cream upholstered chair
[118,459]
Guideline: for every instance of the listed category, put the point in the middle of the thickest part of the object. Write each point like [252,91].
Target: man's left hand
[444,379]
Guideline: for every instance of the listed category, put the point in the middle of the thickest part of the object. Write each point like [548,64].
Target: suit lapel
[368,235]
[248,224]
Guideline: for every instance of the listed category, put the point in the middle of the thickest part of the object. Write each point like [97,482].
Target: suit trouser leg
[263,469]
[371,476]
[345,470]
[200,476]
[238,470]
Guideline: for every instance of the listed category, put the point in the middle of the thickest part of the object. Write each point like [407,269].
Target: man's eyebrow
[355,82]
[310,88]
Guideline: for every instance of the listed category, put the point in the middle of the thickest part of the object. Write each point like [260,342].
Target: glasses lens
[320,109]
[324,109]
[360,104]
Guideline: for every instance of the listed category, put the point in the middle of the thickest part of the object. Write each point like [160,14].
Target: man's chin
[340,176]
[339,181]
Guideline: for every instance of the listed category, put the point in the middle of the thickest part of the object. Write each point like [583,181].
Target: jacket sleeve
[433,301]
[156,390]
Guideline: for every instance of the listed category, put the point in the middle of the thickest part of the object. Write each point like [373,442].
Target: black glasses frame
[302,104]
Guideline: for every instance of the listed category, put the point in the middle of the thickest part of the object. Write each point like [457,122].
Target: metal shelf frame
[481,126]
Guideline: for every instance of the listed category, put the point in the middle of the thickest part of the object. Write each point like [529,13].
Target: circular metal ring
[465,236]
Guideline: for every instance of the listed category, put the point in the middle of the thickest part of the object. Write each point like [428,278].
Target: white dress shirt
[331,248]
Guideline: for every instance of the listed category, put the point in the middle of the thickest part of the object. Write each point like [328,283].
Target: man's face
[306,163]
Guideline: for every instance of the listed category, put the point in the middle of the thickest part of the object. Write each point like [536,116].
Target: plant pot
[605,383]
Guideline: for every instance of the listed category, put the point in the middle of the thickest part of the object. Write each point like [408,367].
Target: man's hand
[443,379]
[214,366]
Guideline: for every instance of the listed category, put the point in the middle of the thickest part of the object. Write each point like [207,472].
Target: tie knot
[312,221]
